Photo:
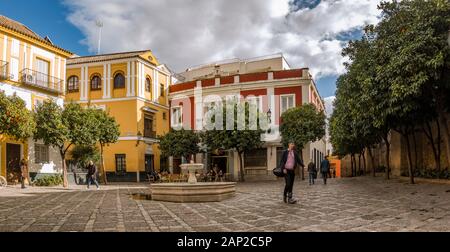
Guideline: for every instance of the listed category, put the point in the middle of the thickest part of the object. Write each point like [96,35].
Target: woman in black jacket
[289,161]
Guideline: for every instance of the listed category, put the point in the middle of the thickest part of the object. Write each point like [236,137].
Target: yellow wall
[29,49]
[3,141]
[55,57]
[129,114]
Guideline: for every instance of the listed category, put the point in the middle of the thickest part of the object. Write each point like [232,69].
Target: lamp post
[269,119]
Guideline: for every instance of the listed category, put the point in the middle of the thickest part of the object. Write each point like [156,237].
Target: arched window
[148,84]
[119,80]
[72,84]
[96,82]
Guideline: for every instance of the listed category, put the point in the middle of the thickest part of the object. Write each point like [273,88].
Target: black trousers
[289,178]
[325,176]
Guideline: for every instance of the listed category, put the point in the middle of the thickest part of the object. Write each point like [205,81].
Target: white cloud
[329,105]
[184,33]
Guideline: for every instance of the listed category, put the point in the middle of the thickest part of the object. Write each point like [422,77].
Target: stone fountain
[192,168]
[193,191]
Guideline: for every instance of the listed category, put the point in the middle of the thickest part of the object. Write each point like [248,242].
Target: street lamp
[269,116]
[269,119]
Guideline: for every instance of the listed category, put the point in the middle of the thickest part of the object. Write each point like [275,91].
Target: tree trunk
[102,165]
[354,165]
[410,165]
[351,164]
[359,165]
[427,129]
[364,161]
[241,168]
[388,150]
[65,181]
[416,155]
[372,160]
[303,168]
[446,135]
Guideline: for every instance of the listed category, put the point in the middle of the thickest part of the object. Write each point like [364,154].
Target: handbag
[277,171]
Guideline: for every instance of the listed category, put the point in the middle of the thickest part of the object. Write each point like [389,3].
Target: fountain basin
[189,192]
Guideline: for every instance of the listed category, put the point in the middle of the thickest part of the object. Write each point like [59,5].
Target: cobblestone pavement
[354,204]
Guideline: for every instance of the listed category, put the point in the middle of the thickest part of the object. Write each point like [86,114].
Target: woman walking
[24,174]
[289,161]
[92,174]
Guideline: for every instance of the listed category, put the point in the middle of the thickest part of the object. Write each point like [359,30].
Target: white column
[25,61]
[168,79]
[30,63]
[142,80]
[133,75]
[82,84]
[59,67]
[138,75]
[128,79]
[63,74]
[105,81]
[5,44]
[109,78]
[155,85]
[198,99]
[158,93]
[86,82]
[271,103]
[306,94]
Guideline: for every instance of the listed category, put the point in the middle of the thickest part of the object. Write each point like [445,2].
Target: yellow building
[132,87]
[34,69]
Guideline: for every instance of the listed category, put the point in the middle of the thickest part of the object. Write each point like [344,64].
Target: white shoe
[98,188]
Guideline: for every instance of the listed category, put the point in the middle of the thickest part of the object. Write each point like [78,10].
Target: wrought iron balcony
[42,80]
[149,134]
[3,70]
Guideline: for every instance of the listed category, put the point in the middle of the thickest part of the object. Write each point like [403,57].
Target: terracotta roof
[23,29]
[18,27]
[104,57]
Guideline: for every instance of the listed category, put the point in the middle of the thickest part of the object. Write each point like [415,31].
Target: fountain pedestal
[192,168]
[193,191]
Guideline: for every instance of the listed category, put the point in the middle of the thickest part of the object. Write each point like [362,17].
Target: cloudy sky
[183,33]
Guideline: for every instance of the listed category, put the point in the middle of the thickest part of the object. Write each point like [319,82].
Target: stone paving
[351,204]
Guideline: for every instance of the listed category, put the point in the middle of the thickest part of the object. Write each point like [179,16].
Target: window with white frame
[177,118]
[286,102]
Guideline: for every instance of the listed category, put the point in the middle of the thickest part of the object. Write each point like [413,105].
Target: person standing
[24,172]
[325,169]
[92,174]
[312,172]
[289,161]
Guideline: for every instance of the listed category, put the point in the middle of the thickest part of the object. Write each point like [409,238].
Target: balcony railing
[3,70]
[149,134]
[42,80]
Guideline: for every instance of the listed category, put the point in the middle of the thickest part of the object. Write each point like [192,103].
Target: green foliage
[72,125]
[240,135]
[431,174]
[302,125]
[397,76]
[49,180]
[82,154]
[108,129]
[50,126]
[179,143]
[15,119]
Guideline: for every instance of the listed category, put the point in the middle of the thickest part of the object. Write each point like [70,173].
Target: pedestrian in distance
[24,174]
[312,171]
[290,160]
[325,169]
[92,175]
